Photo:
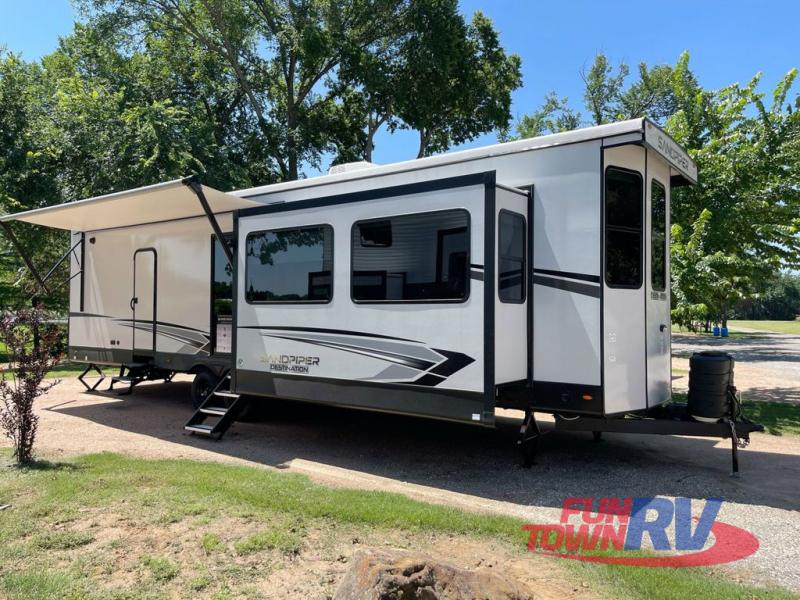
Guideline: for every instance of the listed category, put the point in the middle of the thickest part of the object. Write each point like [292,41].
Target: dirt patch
[134,553]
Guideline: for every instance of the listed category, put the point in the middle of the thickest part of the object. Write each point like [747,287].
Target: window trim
[630,230]
[467,292]
[212,325]
[663,284]
[524,260]
[293,228]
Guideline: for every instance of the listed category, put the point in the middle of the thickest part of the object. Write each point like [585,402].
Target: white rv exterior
[533,274]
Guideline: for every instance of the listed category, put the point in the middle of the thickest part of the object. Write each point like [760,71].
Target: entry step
[213,410]
[226,394]
[205,429]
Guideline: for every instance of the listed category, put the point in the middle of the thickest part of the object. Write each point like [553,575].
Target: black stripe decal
[455,362]
[476,275]
[408,361]
[339,331]
[427,380]
[569,275]
[472,266]
[568,286]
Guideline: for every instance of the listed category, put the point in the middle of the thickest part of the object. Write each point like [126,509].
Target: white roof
[149,204]
[675,155]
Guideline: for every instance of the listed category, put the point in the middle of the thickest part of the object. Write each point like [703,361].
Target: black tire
[202,384]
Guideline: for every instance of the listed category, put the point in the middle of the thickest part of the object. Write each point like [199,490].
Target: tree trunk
[424,138]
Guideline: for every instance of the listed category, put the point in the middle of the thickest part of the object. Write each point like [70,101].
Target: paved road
[767,364]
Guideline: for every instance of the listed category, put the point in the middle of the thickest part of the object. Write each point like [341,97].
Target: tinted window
[511,262]
[290,265]
[623,228]
[417,257]
[222,291]
[221,300]
[658,239]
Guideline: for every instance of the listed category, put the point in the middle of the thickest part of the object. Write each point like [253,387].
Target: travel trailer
[531,275]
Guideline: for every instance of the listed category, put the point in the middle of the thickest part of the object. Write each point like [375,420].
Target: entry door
[143,303]
[657,329]
[624,350]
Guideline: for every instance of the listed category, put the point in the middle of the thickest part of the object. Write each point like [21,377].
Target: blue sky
[728,40]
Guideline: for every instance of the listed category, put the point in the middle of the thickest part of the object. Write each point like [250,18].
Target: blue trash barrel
[716,330]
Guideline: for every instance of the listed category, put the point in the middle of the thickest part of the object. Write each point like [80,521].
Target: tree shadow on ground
[479,462]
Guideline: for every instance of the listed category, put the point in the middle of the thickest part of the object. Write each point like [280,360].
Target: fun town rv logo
[617,526]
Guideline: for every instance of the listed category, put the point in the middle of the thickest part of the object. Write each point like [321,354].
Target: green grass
[778,418]
[162,569]
[792,327]
[279,508]
[211,542]
[731,334]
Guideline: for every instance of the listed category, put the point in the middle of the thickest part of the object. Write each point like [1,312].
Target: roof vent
[351,167]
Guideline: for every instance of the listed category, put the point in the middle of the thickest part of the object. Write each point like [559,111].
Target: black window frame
[468,278]
[642,207]
[523,261]
[229,239]
[282,229]
[662,285]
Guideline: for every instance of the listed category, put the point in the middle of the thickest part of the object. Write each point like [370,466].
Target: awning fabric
[149,204]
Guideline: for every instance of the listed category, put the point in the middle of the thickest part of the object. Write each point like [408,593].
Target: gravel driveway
[767,364]
[464,466]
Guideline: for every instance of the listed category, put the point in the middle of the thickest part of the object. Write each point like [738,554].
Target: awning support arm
[15,242]
[62,259]
[194,185]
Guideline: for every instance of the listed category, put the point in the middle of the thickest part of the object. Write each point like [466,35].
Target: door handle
[134,302]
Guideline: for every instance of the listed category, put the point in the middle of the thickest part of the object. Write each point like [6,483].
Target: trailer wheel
[202,384]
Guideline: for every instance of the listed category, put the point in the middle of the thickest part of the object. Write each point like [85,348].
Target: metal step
[125,378]
[226,394]
[213,410]
[204,429]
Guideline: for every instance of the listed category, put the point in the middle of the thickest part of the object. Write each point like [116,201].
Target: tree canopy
[735,230]
[242,92]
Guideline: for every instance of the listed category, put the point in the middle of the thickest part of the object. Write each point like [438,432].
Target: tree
[323,76]
[749,192]
[31,346]
[738,227]
[553,116]
[606,99]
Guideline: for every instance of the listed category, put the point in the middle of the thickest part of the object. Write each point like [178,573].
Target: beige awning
[150,204]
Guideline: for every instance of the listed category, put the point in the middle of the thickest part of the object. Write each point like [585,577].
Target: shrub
[31,353]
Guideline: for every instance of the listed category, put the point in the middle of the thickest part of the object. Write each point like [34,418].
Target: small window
[623,228]
[658,236]
[511,253]
[221,299]
[411,258]
[290,265]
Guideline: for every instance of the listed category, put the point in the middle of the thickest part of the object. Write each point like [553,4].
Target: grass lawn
[792,327]
[778,418]
[731,334]
[106,526]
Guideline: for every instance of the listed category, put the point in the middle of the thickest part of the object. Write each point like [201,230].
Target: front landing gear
[529,439]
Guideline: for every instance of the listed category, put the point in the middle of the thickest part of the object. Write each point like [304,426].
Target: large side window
[658,236]
[411,258]
[623,228]
[511,257]
[290,265]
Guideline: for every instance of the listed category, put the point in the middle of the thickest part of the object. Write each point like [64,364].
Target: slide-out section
[370,300]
